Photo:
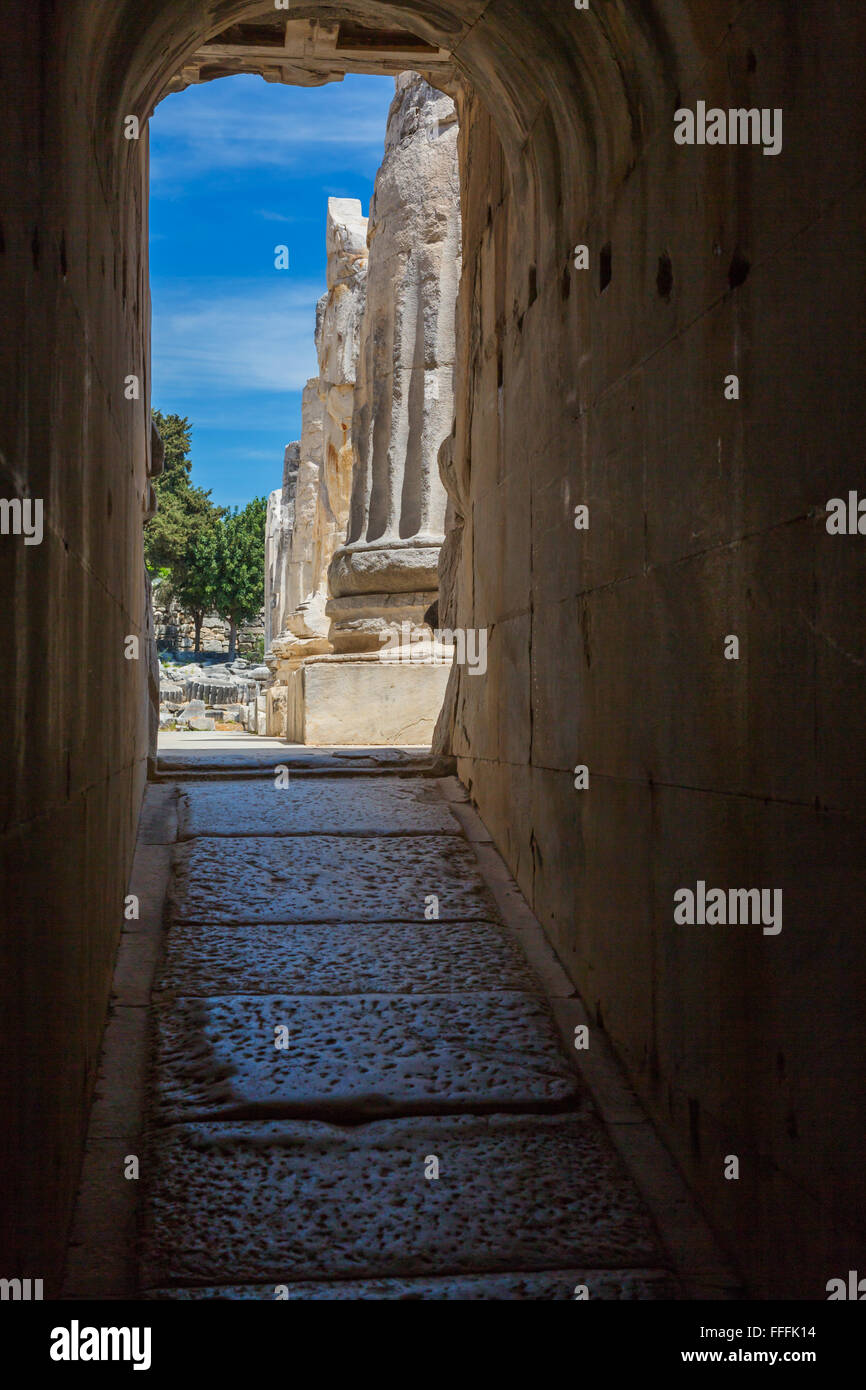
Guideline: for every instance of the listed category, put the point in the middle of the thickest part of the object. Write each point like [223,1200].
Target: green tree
[240,582]
[180,541]
[175,431]
[181,517]
[195,586]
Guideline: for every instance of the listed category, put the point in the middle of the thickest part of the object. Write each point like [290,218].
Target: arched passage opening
[595,382]
[351,358]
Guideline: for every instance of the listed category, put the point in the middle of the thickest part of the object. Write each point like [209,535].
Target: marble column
[307,518]
[386,572]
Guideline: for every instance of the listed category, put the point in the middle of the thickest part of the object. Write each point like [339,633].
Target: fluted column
[307,520]
[387,570]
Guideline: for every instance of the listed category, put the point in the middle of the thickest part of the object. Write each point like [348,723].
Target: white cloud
[279,216]
[243,123]
[238,336]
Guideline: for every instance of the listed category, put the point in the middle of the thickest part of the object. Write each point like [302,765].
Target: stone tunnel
[665,334]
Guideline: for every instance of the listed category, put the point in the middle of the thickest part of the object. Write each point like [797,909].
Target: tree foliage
[183,510]
[213,559]
[176,434]
[240,565]
[180,541]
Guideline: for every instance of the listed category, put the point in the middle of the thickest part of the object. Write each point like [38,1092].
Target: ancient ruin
[377,414]
[175,630]
[663,334]
[387,572]
[307,517]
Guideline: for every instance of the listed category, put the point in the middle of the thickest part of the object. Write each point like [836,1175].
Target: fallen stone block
[193,709]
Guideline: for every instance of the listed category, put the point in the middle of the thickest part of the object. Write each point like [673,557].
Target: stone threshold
[302,761]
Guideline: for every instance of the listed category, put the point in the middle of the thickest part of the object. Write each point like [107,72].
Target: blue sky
[240,166]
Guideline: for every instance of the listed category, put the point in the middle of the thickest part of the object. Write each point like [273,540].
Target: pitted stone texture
[327,878]
[304,1200]
[360,805]
[343,958]
[556,1285]
[359,1057]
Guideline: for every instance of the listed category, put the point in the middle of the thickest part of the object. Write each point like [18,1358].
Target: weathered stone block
[340,701]
[328,878]
[357,1058]
[342,958]
[315,805]
[362,1207]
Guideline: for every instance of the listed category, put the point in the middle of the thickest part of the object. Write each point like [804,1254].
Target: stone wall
[606,388]
[175,631]
[75,322]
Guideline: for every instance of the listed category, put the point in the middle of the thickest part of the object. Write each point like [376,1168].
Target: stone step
[342,958]
[246,1203]
[357,1058]
[248,757]
[328,878]
[326,805]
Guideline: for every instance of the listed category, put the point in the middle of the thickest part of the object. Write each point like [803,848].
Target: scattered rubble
[204,695]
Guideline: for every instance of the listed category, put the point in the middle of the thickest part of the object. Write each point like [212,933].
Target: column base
[363,622]
[364,702]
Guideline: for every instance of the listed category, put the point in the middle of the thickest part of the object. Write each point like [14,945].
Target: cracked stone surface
[239,1202]
[360,1057]
[555,1285]
[342,958]
[327,878]
[327,805]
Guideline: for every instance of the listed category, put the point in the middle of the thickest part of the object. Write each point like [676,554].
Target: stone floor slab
[193,753]
[328,878]
[553,1285]
[343,958]
[315,805]
[252,1203]
[357,1058]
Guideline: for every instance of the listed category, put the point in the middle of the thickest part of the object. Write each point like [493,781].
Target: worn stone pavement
[323,1045]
